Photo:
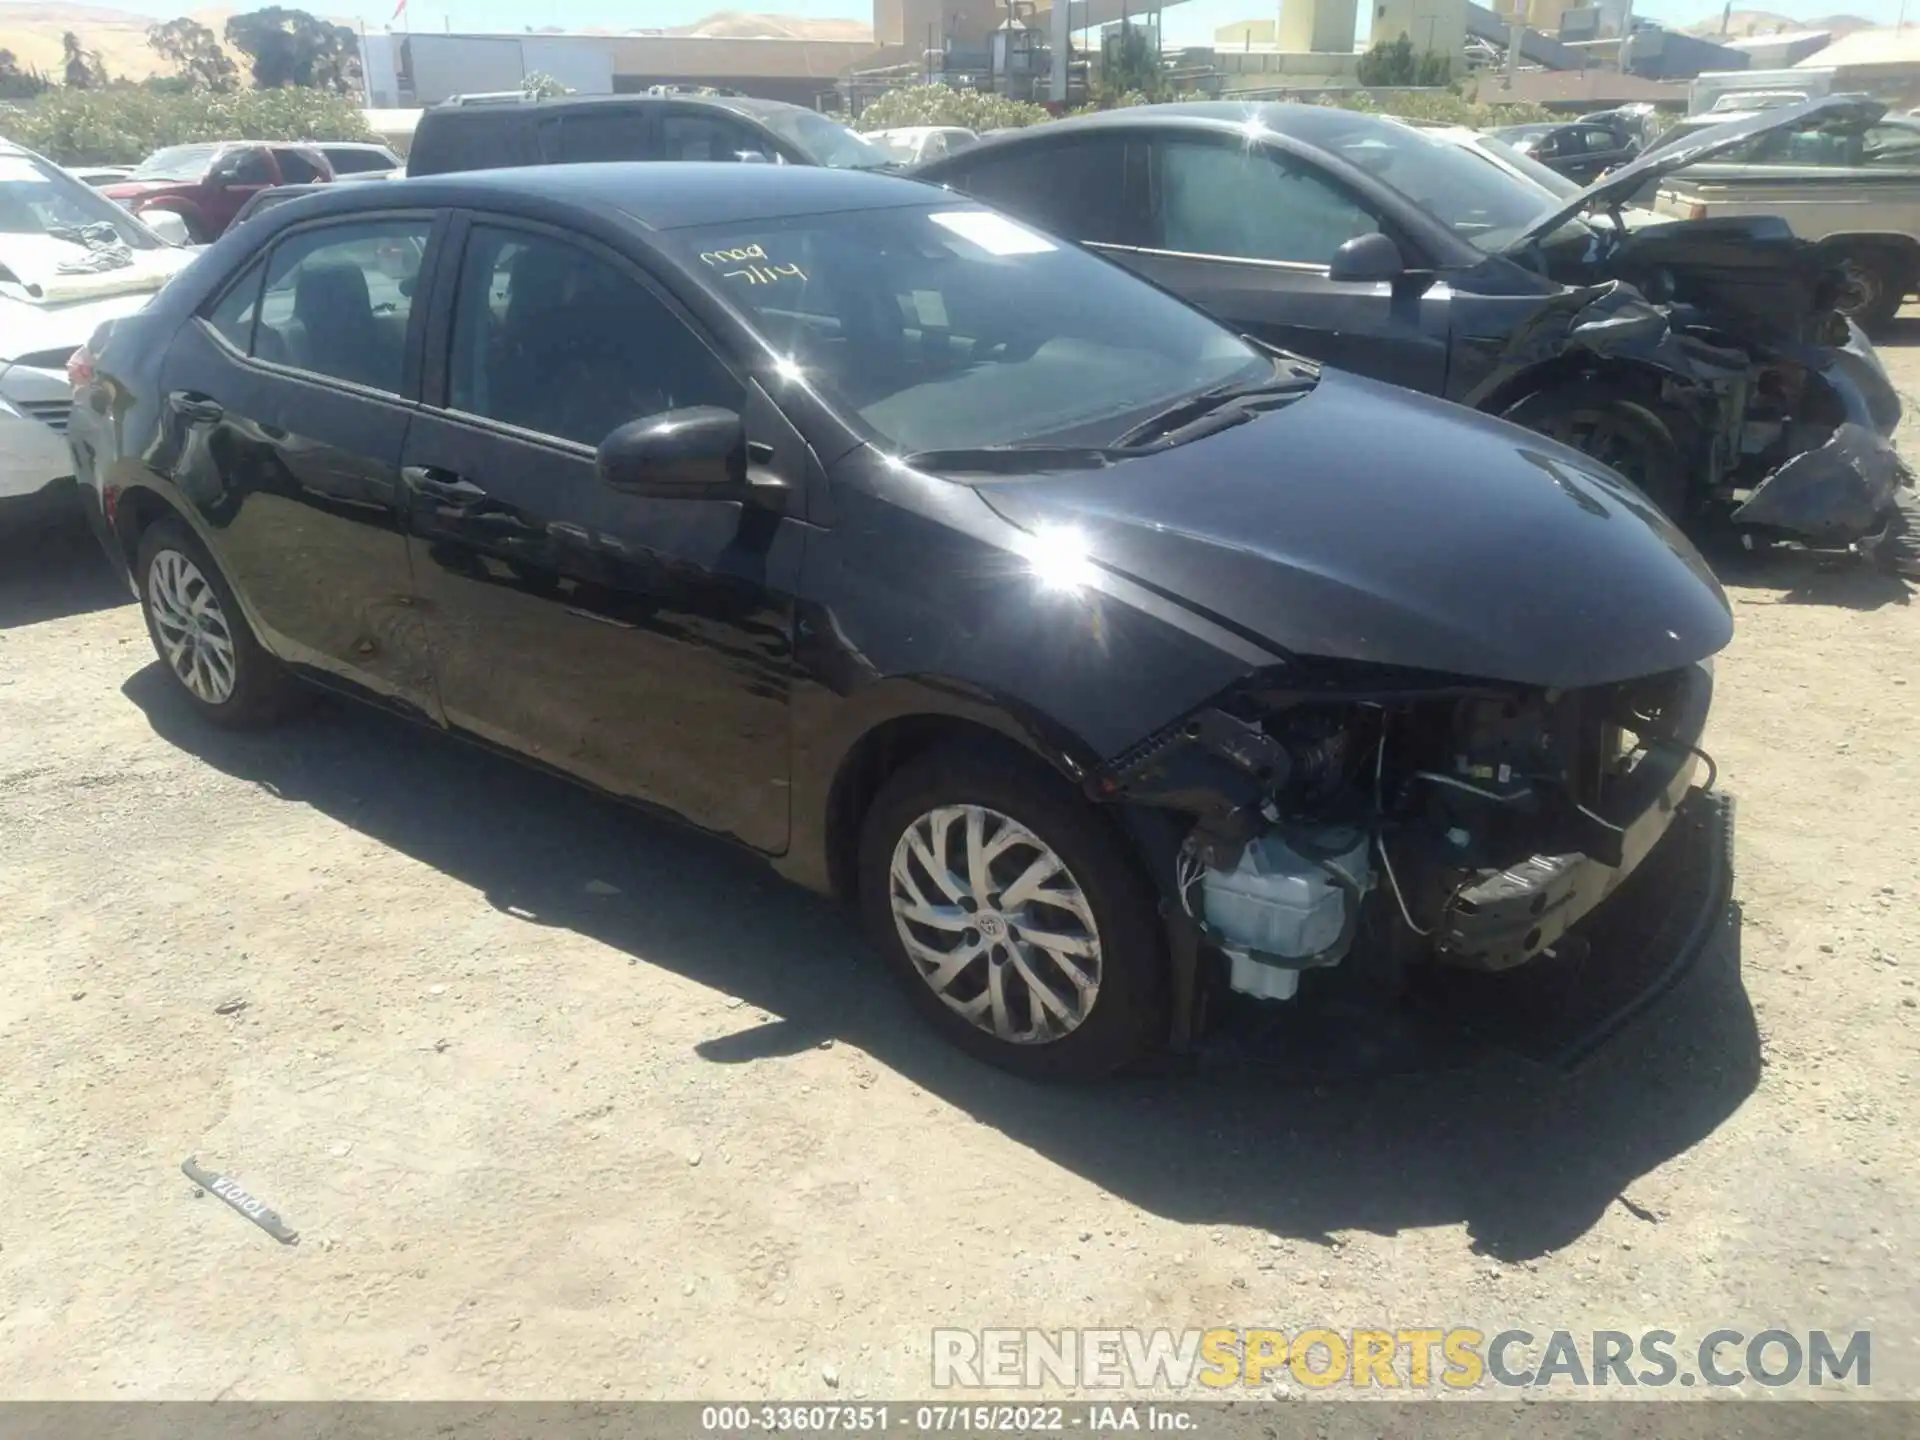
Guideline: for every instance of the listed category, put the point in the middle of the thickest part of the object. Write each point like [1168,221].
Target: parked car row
[1028,550]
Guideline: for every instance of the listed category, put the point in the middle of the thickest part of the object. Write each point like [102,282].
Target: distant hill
[1743,23]
[32,32]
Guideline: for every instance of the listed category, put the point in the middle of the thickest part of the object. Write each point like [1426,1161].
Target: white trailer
[1756,89]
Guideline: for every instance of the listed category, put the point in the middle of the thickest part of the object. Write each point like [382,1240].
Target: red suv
[206,184]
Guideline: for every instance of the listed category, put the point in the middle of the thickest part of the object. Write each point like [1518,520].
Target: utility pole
[1062,46]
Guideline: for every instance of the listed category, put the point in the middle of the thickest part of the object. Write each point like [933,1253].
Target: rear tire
[1598,420]
[203,640]
[1877,282]
[1078,1002]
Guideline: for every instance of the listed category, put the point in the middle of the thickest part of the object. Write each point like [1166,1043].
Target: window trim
[1272,155]
[411,368]
[436,369]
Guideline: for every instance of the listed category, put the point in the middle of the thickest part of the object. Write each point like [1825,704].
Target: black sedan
[1705,360]
[1582,151]
[949,566]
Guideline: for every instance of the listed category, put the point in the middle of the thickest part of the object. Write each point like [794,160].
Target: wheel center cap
[991,926]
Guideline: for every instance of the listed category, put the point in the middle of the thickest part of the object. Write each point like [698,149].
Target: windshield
[956,328]
[40,199]
[1478,201]
[826,142]
[176,162]
[1552,181]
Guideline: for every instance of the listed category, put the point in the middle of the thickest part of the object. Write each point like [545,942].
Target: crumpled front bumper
[1506,918]
[1844,490]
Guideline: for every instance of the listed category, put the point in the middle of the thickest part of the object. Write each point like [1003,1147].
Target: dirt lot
[565,1103]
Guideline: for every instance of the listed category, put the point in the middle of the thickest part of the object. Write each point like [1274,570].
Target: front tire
[204,642]
[1618,431]
[1018,920]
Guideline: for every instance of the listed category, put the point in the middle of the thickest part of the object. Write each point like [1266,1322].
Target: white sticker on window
[930,308]
[994,234]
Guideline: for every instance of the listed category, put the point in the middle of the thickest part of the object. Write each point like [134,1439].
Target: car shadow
[53,571]
[1804,577]
[1527,1160]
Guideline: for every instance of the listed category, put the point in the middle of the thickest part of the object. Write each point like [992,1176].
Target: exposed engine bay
[1466,825]
[1775,403]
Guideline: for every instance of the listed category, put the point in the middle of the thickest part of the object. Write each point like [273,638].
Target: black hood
[1616,187]
[1369,523]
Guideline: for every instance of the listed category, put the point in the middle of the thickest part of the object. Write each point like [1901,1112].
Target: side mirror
[698,453]
[1367,259]
[169,225]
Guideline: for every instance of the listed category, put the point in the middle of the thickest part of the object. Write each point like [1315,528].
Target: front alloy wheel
[996,924]
[191,627]
[1015,912]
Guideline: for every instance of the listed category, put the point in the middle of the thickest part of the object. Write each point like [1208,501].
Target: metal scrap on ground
[239,1199]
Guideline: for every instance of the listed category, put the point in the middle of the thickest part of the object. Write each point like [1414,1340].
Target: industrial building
[911,38]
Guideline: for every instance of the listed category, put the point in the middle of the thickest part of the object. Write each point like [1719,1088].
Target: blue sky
[1191,22]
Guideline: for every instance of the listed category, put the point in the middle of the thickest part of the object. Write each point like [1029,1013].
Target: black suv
[485,133]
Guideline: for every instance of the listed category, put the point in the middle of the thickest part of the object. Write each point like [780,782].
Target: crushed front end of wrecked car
[1775,402]
[1489,679]
[1410,821]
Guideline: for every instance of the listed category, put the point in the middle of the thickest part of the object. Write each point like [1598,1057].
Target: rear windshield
[826,142]
[954,327]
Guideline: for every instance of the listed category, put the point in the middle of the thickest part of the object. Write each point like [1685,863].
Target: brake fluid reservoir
[1283,906]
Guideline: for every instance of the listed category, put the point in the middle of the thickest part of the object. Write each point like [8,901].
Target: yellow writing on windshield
[753,264]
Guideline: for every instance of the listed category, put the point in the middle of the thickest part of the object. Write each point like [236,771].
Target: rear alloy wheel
[199,633]
[1617,432]
[1013,914]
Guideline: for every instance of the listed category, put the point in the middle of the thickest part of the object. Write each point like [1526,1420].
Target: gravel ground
[566,1103]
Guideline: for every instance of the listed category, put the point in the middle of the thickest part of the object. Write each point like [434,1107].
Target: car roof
[658,196]
[1314,124]
[738,104]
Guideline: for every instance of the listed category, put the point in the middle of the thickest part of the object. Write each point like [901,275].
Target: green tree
[1130,65]
[292,48]
[978,110]
[542,86]
[129,122]
[80,68]
[16,83]
[1393,64]
[194,51]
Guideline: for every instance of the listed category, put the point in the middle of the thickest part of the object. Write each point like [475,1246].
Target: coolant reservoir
[1283,906]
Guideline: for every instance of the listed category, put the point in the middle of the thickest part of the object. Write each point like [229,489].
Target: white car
[910,144]
[70,259]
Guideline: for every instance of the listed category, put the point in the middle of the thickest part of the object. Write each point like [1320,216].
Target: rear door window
[339,299]
[1078,190]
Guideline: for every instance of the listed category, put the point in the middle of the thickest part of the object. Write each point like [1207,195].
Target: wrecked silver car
[1707,361]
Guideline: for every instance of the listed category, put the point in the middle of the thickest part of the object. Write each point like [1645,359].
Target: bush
[1441,107]
[125,124]
[942,105]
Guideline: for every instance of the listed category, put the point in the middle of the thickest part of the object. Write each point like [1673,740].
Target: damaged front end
[1403,824]
[1776,404]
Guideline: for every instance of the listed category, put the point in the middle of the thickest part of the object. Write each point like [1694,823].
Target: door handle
[198,408]
[441,485]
